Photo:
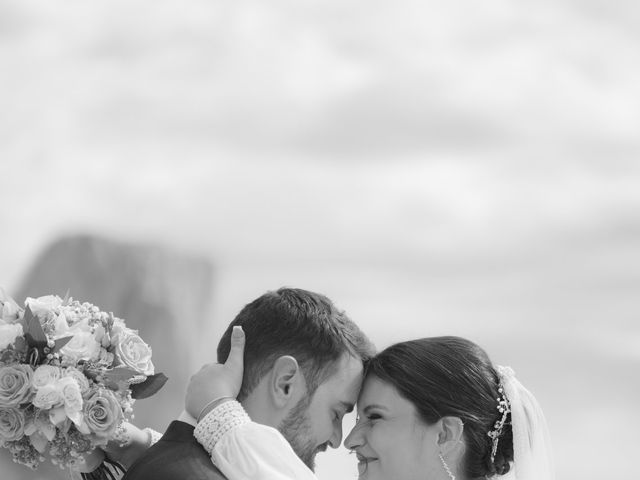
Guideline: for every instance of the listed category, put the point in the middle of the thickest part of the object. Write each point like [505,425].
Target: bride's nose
[355,438]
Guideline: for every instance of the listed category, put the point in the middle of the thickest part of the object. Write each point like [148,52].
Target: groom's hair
[296,322]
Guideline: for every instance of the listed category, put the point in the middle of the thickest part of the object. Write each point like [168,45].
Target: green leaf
[20,345]
[119,378]
[61,342]
[33,331]
[149,387]
[92,373]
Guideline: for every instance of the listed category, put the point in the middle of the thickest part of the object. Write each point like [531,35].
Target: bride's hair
[451,376]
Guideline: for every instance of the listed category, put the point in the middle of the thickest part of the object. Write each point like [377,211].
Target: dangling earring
[446,467]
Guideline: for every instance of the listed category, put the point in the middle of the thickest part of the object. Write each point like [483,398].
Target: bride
[433,408]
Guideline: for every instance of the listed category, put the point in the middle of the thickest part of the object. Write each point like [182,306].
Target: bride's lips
[363,463]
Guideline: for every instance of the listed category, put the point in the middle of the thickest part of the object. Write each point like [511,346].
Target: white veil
[532,458]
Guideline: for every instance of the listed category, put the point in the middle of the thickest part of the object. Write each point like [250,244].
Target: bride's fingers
[235,360]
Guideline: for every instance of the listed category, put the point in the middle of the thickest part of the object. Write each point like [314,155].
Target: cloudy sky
[435,167]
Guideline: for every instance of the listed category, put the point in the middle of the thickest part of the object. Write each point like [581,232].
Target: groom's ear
[286,381]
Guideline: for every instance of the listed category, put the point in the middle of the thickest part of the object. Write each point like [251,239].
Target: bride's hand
[216,381]
[126,453]
[88,462]
[136,442]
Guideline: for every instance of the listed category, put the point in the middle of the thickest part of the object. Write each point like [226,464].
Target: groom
[303,367]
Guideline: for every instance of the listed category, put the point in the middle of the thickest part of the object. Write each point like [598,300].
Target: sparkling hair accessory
[503,407]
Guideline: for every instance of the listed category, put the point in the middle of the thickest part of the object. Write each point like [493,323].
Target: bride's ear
[450,434]
[286,381]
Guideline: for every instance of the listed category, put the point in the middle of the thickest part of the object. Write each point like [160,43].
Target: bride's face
[389,439]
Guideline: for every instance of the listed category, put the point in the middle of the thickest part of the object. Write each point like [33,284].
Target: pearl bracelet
[218,422]
[153,436]
[215,402]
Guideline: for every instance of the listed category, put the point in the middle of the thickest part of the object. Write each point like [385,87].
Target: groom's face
[316,421]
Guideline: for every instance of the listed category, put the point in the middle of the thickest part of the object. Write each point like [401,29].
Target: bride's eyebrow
[374,406]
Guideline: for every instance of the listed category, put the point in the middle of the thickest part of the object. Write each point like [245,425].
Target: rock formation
[160,292]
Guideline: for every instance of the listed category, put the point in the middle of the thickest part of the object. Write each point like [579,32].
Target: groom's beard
[296,429]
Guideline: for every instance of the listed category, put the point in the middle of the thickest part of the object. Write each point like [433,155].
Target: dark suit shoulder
[177,456]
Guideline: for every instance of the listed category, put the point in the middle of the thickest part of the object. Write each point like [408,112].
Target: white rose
[45,375]
[71,394]
[118,327]
[70,314]
[48,397]
[8,334]
[41,306]
[100,335]
[82,346]
[81,380]
[81,325]
[133,352]
[10,311]
[60,326]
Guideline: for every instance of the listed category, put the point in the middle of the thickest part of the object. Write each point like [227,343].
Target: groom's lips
[322,448]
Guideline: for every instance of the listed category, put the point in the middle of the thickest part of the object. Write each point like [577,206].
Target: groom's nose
[336,436]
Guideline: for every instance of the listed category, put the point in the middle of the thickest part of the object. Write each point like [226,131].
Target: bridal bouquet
[69,375]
